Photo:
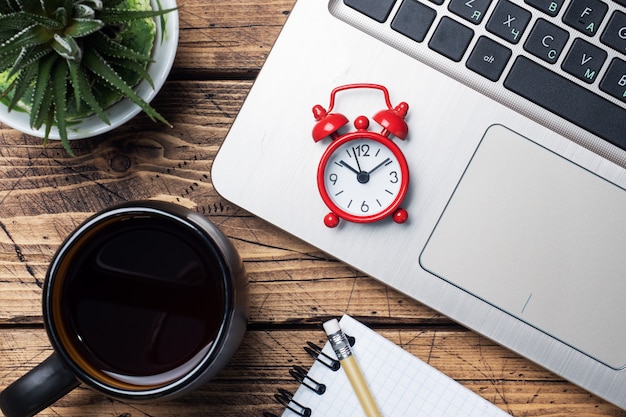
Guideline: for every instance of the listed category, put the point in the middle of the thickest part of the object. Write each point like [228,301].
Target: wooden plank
[228,38]
[288,278]
[261,366]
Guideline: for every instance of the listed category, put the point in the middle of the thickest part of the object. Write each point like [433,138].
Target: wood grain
[44,195]
[227,39]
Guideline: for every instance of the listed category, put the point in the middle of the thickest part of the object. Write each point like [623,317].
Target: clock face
[363,177]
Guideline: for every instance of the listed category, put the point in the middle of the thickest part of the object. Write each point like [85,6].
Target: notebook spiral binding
[300,374]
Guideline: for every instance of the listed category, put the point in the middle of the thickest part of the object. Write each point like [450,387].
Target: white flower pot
[163,54]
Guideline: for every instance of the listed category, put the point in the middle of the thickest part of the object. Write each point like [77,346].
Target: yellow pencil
[339,342]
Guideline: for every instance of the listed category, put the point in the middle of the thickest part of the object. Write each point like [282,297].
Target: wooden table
[44,194]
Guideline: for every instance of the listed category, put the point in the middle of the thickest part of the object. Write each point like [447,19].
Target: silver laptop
[513,218]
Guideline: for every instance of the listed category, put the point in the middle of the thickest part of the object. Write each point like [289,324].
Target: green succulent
[66,59]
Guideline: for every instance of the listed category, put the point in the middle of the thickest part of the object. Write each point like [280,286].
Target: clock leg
[331,220]
[400,216]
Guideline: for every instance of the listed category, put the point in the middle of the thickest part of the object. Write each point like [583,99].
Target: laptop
[514,140]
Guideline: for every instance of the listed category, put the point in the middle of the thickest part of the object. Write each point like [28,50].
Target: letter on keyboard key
[546,41]
[568,100]
[584,60]
[470,10]
[375,9]
[585,15]
[614,81]
[550,7]
[508,21]
[615,33]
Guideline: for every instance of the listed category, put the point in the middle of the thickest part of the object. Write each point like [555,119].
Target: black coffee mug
[143,301]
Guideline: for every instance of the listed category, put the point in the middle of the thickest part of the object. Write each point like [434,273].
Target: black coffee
[144,296]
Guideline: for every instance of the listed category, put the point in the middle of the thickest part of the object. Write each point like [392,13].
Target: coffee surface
[145,296]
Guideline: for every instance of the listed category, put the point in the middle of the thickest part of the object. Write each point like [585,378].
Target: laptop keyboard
[566,56]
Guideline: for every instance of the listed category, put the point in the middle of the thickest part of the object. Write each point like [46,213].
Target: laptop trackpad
[540,238]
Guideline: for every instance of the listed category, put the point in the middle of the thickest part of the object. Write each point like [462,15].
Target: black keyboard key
[413,20]
[375,9]
[546,41]
[615,33]
[622,2]
[584,60]
[568,100]
[488,58]
[614,81]
[508,21]
[470,10]
[451,39]
[549,7]
[585,15]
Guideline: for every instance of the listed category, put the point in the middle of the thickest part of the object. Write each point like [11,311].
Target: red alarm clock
[363,176]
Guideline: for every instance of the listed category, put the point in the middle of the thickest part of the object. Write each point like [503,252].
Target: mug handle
[37,389]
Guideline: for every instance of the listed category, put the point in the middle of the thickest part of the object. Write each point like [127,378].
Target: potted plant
[77,68]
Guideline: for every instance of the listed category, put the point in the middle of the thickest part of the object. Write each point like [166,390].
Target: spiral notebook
[401,384]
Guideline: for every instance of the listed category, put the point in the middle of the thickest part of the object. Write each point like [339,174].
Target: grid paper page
[402,384]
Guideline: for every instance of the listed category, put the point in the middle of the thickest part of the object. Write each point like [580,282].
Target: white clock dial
[363,177]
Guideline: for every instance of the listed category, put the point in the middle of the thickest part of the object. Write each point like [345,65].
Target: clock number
[361,150]
[333,178]
[364,207]
[394,177]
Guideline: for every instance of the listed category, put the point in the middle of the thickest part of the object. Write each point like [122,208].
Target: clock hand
[349,167]
[379,165]
[357,160]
